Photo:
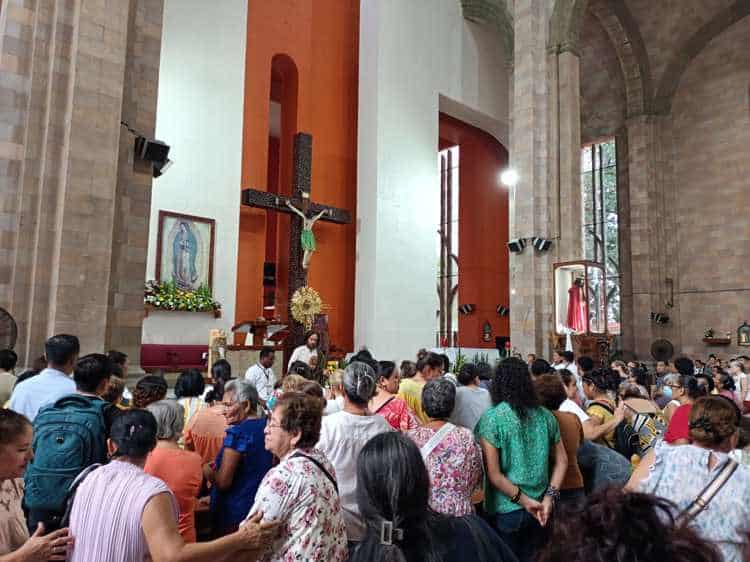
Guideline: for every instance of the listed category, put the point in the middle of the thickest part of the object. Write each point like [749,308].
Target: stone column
[70,67]
[566,99]
[547,200]
[133,191]
[643,225]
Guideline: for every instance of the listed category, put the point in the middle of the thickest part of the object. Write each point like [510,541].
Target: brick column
[530,274]
[547,200]
[69,68]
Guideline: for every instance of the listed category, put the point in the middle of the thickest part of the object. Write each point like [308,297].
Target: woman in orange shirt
[180,470]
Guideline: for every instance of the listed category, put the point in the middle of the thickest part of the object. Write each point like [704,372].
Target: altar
[249,338]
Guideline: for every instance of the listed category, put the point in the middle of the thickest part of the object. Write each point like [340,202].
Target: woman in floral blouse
[385,402]
[301,491]
[680,474]
[452,456]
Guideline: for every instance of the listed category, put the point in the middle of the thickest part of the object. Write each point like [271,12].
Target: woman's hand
[620,412]
[532,507]
[256,535]
[548,506]
[41,547]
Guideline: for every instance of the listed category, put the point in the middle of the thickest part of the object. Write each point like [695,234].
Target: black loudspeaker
[500,342]
[466,309]
[541,244]
[516,246]
[269,274]
[659,318]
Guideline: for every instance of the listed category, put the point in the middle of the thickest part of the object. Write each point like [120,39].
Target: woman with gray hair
[243,460]
[343,435]
[180,470]
[452,456]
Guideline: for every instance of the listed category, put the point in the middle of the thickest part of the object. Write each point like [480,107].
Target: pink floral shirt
[398,415]
[455,468]
[298,492]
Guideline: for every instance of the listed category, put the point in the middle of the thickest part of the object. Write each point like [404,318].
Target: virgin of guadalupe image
[184,253]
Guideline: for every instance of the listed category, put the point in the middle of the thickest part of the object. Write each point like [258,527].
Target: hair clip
[388,532]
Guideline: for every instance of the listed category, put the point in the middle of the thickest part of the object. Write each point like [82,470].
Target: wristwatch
[553,492]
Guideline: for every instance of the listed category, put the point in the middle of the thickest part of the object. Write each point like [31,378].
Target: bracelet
[553,492]
[517,497]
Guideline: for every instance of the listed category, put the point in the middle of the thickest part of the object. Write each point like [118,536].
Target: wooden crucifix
[304,213]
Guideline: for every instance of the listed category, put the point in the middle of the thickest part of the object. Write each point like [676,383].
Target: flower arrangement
[168,296]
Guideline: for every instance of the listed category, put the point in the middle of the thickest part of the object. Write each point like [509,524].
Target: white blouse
[298,493]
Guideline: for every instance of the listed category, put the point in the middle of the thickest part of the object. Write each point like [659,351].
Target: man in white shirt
[306,350]
[342,436]
[567,361]
[261,374]
[52,383]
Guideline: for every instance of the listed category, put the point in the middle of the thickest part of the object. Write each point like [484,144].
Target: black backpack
[627,440]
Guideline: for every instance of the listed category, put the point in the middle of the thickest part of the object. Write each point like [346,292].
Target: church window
[601,219]
[447,246]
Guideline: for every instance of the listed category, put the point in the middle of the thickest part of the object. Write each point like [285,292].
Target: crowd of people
[521,461]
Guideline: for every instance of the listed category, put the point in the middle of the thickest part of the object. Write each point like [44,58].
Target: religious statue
[576,320]
[184,253]
[307,238]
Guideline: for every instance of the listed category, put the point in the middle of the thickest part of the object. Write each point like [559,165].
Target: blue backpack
[69,436]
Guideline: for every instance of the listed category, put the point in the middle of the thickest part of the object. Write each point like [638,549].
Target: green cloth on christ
[524,447]
[307,239]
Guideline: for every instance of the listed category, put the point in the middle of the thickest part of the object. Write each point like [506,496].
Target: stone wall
[602,85]
[711,232]
[71,201]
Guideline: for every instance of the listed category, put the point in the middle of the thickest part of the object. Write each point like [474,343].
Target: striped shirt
[106,517]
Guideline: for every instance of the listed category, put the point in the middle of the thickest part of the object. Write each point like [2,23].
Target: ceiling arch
[492,12]
[690,49]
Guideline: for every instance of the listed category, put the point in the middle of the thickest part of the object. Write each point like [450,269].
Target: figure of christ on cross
[307,237]
[305,213]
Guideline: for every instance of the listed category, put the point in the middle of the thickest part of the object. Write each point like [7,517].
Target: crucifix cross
[297,205]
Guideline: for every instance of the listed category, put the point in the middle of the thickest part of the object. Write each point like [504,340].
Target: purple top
[107,510]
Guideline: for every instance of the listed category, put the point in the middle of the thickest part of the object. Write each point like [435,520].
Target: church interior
[476,176]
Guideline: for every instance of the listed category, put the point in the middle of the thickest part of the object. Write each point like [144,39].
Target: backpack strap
[604,405]
[435,440]
[709,492]
[320,466]
[70,496]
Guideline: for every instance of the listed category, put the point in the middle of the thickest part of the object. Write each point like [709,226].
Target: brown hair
[408,369]
[311,388]
[615,525]
[292,383]
[113,392]
[12,425]
[149,389]
[713,419]
[550,390]
[301,413]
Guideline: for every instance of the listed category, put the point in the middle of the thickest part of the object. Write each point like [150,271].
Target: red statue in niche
[576,312]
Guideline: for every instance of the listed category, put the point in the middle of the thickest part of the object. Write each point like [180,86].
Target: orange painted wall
[322,39]
[483,230]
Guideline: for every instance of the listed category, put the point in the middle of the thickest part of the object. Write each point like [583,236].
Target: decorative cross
[300,199]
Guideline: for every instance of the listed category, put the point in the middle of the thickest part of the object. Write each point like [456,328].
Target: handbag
[709,492]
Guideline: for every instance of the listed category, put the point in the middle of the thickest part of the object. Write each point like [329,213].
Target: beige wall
[711,131]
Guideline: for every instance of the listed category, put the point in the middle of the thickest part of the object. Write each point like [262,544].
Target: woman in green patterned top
[517,436]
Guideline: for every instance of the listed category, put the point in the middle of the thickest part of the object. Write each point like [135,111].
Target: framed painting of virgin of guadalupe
[185,251]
